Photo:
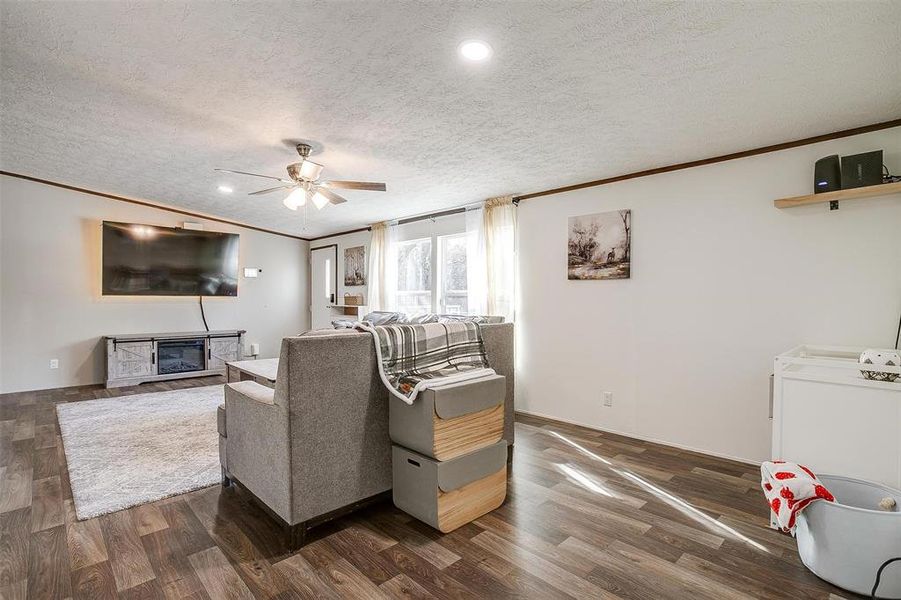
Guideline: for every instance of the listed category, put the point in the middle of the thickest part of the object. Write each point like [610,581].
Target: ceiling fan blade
[254,175]
[275,189]
[356,185]
[332,196]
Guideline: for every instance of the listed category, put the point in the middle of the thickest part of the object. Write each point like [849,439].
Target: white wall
[721,282]
[50,287]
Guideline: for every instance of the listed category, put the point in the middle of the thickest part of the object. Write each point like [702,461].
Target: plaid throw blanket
[412,358]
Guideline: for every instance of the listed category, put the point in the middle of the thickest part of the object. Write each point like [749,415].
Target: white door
[323,288]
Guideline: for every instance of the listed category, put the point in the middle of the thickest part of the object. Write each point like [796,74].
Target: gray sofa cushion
[343,323]
[424,318]
[381,317]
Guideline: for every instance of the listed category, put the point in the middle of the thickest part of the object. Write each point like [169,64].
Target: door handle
[332,298]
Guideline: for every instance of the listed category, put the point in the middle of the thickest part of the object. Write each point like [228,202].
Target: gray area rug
[131,450]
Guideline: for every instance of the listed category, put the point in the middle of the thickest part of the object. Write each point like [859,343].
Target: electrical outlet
[54,363]
[608,398]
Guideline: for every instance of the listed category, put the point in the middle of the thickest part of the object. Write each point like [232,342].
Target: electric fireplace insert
[180,356]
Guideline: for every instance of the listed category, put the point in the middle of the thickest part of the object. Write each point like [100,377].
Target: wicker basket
[353,300]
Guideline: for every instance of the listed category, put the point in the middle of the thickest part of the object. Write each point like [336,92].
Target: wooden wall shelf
[852,194]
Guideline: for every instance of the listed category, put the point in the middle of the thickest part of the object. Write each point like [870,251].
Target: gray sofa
[317,445]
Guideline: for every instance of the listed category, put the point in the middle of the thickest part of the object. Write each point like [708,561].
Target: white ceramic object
[881,358]
[845,542]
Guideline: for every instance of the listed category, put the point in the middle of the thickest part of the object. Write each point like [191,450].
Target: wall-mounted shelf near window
[348,310]
[852,194]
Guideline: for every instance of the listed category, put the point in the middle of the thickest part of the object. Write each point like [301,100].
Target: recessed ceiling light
[225,189]
[475,50]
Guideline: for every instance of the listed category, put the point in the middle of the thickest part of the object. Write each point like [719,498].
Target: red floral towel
[790,487]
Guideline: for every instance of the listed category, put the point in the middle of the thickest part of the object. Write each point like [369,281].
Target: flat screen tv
[147,260]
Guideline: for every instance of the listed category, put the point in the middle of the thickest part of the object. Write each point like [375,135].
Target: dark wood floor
[588,515]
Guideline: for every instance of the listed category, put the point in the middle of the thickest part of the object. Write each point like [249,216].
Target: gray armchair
[317,445]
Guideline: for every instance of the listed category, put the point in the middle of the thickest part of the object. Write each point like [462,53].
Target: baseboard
[97,384]
[641,438]
[88,386]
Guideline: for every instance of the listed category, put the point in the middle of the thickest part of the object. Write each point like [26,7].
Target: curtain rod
[448,212]
[443,213]
[404,221]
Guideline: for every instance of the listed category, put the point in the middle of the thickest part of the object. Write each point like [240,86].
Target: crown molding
[149,204]
[560,190]
[716,159]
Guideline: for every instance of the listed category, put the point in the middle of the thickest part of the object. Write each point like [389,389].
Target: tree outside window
[421,289]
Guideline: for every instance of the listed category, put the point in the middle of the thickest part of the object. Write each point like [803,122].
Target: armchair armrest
[252,390]
[257,445]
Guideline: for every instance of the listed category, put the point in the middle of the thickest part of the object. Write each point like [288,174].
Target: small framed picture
[355,266]
[600,246]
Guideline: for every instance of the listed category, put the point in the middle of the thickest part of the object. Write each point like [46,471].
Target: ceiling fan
[305,183]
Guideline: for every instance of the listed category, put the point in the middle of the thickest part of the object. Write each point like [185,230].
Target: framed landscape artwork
[355,266]
[600,246]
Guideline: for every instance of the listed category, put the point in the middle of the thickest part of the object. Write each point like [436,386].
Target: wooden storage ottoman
[452,420]
[451,493]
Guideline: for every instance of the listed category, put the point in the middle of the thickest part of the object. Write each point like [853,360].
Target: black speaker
[827,175]
[861,170]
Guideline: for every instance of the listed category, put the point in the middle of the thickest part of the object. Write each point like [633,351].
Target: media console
[138,358]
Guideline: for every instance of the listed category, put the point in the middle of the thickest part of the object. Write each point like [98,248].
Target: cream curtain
[382,267]
[500,255]
[476,265]
[491,263]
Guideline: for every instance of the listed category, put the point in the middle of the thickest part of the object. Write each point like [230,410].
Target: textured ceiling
[144,99]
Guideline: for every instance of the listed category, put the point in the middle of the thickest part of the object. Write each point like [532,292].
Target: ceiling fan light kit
[295,199]
[308,170]
[305,185]
[319,200]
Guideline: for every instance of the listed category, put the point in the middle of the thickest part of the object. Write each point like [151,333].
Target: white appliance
[828,417]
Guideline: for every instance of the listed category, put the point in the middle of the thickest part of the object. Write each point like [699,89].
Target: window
[414,276]
[453,298]
[422,288]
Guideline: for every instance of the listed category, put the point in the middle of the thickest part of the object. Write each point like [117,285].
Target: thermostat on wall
[252,272]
